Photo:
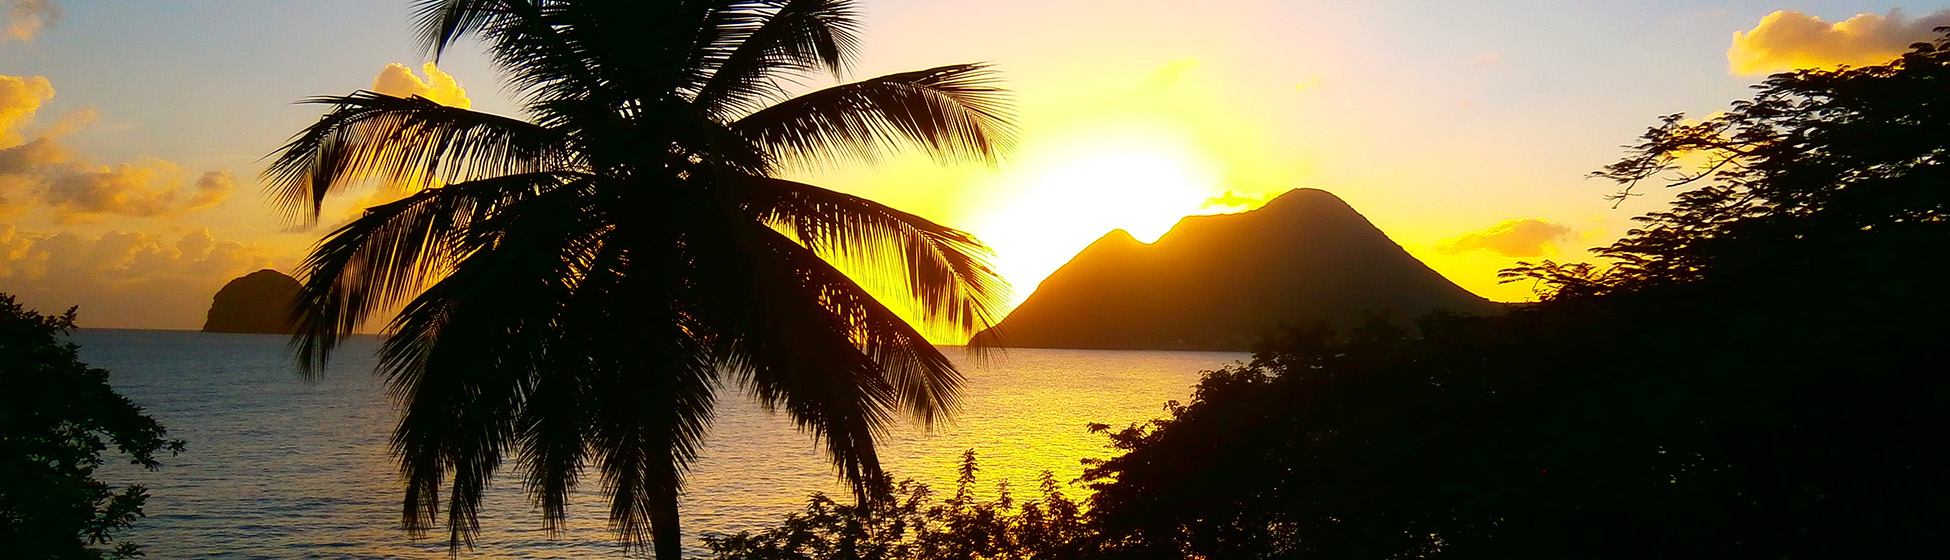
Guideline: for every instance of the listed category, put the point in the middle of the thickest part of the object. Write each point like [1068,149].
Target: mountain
[259,302]
[1221,282]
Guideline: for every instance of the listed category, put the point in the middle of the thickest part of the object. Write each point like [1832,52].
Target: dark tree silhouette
[1758,376]
[57,415]
[911,523]
[1819,165]
[580,285]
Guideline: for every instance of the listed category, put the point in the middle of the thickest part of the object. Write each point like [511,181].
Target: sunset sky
[131,132]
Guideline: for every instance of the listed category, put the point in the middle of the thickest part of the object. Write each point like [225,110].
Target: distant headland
[259,302]
[1221,282]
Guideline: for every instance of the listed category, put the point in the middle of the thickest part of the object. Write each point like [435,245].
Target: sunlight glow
[1070,191]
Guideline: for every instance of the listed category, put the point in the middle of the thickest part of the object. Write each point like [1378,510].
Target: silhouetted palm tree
[582,284]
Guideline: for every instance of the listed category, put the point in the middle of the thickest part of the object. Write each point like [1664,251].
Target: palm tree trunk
[664,534]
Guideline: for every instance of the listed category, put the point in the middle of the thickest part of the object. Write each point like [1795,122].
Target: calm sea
[280,467]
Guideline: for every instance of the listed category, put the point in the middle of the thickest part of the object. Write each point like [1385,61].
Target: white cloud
[1789,40]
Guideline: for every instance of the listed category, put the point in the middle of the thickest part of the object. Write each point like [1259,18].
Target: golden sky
[131,134]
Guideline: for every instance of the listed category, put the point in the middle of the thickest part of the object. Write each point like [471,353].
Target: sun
[1067,193]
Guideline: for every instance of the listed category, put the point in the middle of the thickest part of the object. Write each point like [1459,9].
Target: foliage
[907,522]
[56,418]
[1822,164]
[1759,376]
[1602,432]
[578,286]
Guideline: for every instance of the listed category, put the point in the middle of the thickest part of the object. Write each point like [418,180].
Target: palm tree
[577,287]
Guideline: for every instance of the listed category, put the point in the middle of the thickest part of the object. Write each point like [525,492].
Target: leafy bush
[56,417]
[906,521]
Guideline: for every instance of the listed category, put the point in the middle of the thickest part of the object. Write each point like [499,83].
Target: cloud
[1789,40]
[20,98]
[1523,237]
[397,80]
[123,279]
[153,188]
[71,122]
[1235,201]
[48,176]
[1173,72]
[25,18]
[341,208]
[212,188]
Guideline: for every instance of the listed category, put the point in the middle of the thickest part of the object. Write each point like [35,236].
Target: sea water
[279,466]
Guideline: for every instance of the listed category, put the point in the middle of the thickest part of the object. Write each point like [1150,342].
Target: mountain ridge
[1220,282]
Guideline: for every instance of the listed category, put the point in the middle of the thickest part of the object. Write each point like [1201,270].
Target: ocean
[280,467]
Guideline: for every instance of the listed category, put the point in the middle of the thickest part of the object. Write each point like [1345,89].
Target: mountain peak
[1305,192]
[1307,200]
[1117,236]
[1220,282]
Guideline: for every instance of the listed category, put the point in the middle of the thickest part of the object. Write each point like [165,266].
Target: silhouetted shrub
[56,417]
[907,521]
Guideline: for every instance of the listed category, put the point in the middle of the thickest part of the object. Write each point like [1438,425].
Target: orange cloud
[1789,40]
[123,279]
[1523,237]
[20,98]
[25,18]
[155,188]
[46,175]
[396,80]
[440,87]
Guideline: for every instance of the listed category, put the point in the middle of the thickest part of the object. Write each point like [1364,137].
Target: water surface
[281,467]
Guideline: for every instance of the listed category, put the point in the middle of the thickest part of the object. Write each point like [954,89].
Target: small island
[259,302]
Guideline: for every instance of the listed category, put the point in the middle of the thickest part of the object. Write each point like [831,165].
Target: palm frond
[923,382]
[651,411]
[533,41]
[954,113]
[629,55]
[779,332]
[459,405]
[468,356]
[945,271]
[388,254]
[775,38]
[556,423]
[652,380]
[403,140]
[440,23]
